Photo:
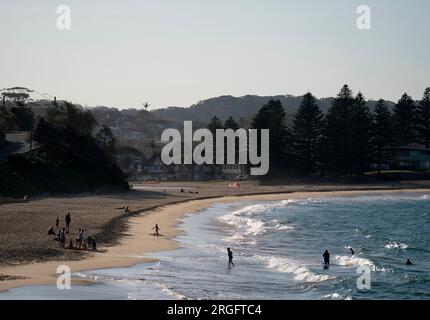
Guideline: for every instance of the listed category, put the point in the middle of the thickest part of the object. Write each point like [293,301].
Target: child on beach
[156,234]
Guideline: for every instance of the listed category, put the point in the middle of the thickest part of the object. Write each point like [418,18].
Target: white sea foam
[301,271]
[354,261]
[169,291]
[244,219]
[249,226]
[396,245]
[337,296]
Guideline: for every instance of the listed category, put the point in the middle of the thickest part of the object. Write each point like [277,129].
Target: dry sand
[138,241]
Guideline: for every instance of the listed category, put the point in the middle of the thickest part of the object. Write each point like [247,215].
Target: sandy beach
[138,242]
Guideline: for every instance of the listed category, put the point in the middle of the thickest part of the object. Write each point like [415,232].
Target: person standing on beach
[78,239]
[57,222]
[63,237]
[81,238]
[326,256]
[230,257]
[68,219]
[156,230]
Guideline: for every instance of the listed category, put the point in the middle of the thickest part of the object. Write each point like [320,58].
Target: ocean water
[278,247]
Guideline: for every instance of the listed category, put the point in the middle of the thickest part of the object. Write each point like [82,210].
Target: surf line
[203,153]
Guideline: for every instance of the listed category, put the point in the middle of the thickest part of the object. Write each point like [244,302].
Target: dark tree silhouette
[272,116]
[23,118]
[405,124]
[382,131]
[361,134]
[423,115]
[337,148]
[306,131]
[214,124]
[106,138]
[230,123]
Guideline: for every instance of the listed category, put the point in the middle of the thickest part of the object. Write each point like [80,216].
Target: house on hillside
[131,165]
[155,168]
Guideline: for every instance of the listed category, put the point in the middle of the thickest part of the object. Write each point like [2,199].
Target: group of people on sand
[87,244]
[125,208]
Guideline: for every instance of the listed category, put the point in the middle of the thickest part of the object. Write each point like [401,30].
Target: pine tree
[214,124]
[382,131]
[230,123]
[306,132]
[423,115]
[361,134]
[405,120]
[272,116]
[336,142]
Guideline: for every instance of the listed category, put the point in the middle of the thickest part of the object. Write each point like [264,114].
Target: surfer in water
[409,262]
[230,257]
[352,251]
[326,256]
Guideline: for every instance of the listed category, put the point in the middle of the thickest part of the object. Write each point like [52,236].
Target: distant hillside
[132,127]
[237,107]
[137,127]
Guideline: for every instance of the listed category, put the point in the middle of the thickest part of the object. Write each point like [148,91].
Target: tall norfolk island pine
[336,142]
[405,117]
[272,116]
[382,131]
[361,134]
[306,131]
[423,114]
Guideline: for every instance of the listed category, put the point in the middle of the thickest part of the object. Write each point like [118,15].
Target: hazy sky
[176,52]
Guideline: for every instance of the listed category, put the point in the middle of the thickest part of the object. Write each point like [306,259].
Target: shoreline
[137,243]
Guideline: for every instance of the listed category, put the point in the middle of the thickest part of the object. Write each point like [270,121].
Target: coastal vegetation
[347,140]
[73,156]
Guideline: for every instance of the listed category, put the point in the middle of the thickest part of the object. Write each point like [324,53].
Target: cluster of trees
[67,135]
[345,140]
[75,155]
[17,117]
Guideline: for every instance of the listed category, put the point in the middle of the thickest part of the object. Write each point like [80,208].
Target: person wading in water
[230,257]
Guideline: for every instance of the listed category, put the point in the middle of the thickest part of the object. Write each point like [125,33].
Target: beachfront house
[155,168]
[232,171]
[409,157]
[130,164]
